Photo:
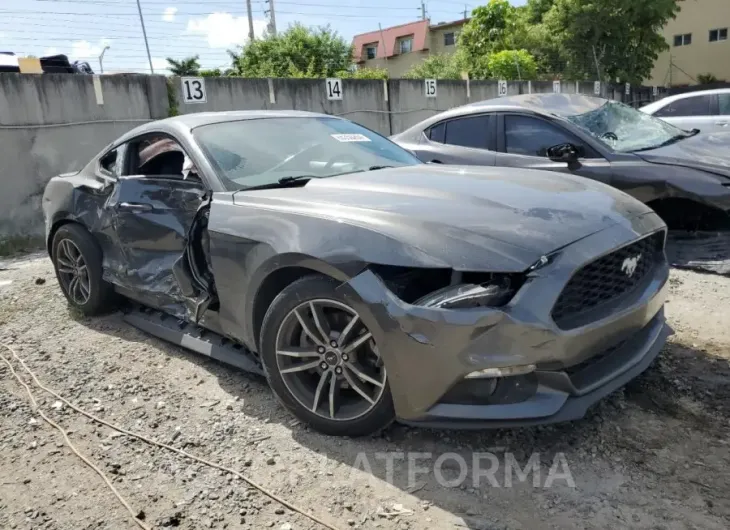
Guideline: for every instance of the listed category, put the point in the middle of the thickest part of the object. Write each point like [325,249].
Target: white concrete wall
[53,123]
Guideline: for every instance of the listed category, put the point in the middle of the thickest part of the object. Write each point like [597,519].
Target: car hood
[708,152]
[454,212]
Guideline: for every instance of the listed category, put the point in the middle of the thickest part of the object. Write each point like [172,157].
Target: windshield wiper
[374,168]
[287,180]
[283,182]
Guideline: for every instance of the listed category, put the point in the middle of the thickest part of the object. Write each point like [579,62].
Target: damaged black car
[683,175]
[366,286]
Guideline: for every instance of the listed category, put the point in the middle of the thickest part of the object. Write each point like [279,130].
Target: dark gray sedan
[683,175]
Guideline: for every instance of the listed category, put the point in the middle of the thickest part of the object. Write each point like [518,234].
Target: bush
[363,73]
[436,67]
[706,79]
[512,65]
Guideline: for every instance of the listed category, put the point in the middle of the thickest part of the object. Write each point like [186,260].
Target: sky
[81,29]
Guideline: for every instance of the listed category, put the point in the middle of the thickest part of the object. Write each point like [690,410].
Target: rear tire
[330,374]
[77,261]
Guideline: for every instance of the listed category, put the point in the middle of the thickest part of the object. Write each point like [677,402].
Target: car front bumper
[428,352]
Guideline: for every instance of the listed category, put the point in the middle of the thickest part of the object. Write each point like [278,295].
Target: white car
[706,110]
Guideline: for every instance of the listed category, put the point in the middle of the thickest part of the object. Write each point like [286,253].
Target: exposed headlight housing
[469,296]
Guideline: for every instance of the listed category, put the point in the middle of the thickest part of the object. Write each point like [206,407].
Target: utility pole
[382,41]
[144,33]
[423,10]
[465,12]
[101,59]
[272,17]
[250,21]
[671,67]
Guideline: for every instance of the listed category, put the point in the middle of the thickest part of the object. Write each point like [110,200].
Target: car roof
[184,123]
[562,105]
[548,103]
[206,118]
[652,107]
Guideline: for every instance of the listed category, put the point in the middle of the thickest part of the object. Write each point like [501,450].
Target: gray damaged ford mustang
[366,286]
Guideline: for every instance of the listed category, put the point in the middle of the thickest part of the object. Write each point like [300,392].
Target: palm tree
[187,66]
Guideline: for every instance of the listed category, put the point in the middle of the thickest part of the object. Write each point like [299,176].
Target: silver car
[706,110]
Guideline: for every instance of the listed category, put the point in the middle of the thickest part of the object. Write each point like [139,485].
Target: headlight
[469,296]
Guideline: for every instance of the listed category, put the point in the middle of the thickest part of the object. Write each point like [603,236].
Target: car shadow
[707,252]
[684,384]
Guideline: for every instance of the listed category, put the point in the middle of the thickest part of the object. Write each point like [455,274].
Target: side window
[524,135]
[468,132]
[108,163]
[693,106]
[473,132]
[156,155]
[724,103]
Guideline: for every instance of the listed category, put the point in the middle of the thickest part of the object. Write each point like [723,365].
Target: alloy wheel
[329,361]
[73,271]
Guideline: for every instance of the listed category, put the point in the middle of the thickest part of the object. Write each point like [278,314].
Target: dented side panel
[151,218]
[141,225]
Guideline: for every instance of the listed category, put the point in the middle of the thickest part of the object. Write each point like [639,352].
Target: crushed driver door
[159,220]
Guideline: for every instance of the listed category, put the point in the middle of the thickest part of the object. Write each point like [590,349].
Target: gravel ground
[654,455]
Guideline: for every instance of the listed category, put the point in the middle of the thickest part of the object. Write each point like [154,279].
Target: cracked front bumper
[428,352]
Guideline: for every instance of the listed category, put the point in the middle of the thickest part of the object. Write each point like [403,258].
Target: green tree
[187,66]
[540,42]
[297,52]
[512,65]
[622,36]
[536,9]
[214,72]
[496,27]
[489,28]
[439,66]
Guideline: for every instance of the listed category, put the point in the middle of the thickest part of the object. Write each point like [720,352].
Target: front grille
[607,279]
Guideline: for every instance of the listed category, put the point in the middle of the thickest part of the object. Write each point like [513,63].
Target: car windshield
[626,129]
[261,152]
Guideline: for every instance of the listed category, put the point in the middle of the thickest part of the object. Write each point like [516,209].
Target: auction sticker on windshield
[350,137]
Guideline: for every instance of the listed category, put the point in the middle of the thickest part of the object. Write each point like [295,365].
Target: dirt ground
[655,455]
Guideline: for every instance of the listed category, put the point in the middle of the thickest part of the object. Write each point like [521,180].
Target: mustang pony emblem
[629,265]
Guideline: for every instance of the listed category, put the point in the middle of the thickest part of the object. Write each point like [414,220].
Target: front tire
[322,362]
[76,259]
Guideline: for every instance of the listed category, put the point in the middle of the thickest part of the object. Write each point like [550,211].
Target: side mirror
[568,153]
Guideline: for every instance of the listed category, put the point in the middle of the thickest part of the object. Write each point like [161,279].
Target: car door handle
[143,206]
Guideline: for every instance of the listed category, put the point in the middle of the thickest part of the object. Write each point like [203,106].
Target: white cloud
[169,14]
[51,51]
[223,30]
[83,49]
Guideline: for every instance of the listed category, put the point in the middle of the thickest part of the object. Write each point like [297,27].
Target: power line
[320,15]
[145,3]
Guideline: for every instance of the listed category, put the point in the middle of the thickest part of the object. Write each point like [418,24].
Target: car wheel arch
[684,211]
[56,226]
[273,284]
